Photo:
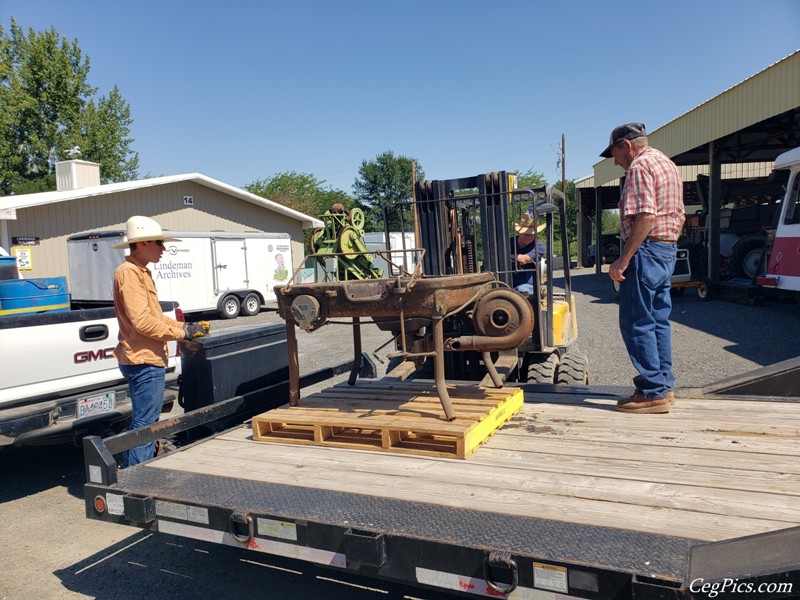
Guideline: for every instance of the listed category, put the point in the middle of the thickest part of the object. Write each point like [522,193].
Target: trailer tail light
[100,504]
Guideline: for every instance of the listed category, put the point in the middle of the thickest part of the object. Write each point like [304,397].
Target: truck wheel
[543,371]
[229,309]
[251,305]
[573,369]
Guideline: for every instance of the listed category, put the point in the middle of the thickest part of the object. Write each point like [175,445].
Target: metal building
[727,143]
[38,225]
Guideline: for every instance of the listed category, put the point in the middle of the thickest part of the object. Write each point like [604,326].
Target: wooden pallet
[405,417]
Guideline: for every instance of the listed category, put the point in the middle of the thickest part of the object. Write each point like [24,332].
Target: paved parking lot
[50,550]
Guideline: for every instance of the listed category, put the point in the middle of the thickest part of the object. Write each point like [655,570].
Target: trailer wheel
[704,289]
[573,369]
[251,305]
[543,371]
[229,309]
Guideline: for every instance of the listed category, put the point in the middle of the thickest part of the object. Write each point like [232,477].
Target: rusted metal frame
[294,365]
[438,369]
[489,364]
[357,348]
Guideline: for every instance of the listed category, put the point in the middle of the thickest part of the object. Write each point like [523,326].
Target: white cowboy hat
[527,225]
[143,229]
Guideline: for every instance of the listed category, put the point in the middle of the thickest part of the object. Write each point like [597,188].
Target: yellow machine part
[565,325]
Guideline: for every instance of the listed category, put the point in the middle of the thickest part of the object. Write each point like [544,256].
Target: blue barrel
[26,296]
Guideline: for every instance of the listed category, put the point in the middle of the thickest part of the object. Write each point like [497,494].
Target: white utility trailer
[229,272]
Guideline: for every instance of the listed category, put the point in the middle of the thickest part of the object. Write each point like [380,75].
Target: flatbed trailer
[570,499]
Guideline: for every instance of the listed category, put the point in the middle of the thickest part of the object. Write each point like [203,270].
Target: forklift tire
[543,371]
[229,307]
[704,289]
[573,369]
[251,305]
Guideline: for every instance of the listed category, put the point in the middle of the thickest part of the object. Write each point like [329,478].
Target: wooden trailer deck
[712,469]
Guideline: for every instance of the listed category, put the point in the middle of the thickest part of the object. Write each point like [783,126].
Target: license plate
[95,405]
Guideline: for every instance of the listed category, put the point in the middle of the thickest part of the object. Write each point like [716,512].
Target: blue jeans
[644,309]
[146,385]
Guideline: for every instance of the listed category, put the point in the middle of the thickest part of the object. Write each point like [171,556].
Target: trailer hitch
[500,561]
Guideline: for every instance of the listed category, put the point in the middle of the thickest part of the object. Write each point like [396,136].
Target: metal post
[294,366]
[714,206]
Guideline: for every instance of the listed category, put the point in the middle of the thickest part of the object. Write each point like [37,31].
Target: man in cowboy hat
[143,329]
[528,250]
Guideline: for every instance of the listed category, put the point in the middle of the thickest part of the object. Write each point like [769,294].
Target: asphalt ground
[48,549]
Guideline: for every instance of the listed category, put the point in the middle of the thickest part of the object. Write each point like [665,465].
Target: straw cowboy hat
[526,225]
[143,229]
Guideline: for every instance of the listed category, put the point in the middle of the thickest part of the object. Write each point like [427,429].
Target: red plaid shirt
[653,185]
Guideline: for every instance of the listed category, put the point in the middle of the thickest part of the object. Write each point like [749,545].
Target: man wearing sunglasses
[143,329]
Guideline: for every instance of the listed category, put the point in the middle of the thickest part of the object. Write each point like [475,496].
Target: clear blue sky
[241,91]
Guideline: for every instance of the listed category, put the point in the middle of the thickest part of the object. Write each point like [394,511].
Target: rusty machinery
[501,318]
[341,241]
[466,226]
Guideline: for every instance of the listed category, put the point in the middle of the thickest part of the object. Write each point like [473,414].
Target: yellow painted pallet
[404,417]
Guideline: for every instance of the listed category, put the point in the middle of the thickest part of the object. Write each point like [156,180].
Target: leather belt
[660,240]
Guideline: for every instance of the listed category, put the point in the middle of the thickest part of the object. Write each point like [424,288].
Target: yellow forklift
[467,226]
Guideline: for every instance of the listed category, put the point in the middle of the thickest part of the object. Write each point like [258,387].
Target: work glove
[195,330]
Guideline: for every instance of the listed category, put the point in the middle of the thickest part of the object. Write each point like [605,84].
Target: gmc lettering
[92,355]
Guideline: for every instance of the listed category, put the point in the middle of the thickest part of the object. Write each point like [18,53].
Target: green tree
[384,182]
[530,179]
[46,107]
[106,137]
[300,191]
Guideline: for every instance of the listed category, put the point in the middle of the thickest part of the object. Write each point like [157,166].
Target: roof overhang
[754,121]
[30,200]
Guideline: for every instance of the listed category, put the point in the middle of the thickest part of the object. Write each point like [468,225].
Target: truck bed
[699,492]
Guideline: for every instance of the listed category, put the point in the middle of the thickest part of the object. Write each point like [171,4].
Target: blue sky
[241,91]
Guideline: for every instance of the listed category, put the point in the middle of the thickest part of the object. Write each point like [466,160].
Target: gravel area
[50,550]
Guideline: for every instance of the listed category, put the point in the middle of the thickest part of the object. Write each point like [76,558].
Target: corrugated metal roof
[28,200]
[768,93]
[690,173]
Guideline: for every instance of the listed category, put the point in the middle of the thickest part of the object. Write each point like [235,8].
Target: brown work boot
[639,404]
[671,397]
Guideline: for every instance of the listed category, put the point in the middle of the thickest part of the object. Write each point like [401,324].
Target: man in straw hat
[651,219]
[528,250]
[143,329]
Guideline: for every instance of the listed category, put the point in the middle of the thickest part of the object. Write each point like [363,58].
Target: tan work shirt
[143,329]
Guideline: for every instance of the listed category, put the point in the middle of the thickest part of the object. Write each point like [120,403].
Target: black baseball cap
[629,131]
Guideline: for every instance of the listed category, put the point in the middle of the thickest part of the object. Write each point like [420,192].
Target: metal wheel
[229,309]
[251,305]
[543,371]
[573,369]
[357,218]
[704,289]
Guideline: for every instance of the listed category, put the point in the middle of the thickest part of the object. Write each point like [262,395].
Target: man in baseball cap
[629,131]
[651,220]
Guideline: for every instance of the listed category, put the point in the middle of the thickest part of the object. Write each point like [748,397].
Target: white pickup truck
[59,379]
